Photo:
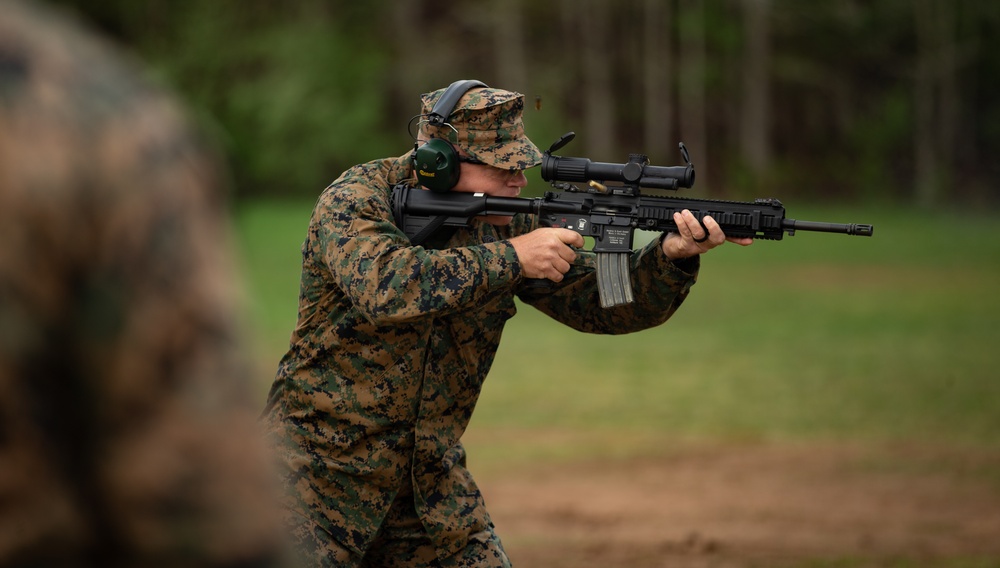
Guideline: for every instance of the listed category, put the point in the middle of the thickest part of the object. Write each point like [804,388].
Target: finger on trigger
[573,238]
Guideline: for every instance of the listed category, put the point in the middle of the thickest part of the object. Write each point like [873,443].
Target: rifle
[609,214]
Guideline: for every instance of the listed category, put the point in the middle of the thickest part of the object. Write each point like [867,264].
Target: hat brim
[513,155]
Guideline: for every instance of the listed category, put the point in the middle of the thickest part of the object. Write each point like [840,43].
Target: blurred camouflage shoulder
[73,90]
[127,428]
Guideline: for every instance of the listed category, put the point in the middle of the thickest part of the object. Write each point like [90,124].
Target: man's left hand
[691,239]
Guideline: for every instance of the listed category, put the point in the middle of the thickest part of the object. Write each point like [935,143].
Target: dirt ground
[754,506]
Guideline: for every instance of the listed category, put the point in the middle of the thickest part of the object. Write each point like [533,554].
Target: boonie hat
[487,124]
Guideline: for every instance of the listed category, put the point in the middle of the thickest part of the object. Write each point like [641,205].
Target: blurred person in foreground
[127,432]
[394,341]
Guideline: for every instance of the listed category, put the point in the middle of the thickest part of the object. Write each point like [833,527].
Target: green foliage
[296,100]
[309,110]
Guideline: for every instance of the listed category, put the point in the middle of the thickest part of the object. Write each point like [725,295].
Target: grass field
[889,337]
[882,342]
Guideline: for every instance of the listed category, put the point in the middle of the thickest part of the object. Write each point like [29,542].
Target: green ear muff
[437,165]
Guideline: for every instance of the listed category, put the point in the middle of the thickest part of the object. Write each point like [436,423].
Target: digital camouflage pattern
[127,435]
[385,365]
[487,123]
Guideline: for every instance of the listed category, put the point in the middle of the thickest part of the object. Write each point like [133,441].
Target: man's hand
[546,252]
[690,238]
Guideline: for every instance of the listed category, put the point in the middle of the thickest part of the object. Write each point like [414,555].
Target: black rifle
[608,214]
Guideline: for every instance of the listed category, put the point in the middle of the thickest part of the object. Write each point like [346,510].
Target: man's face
[481,178]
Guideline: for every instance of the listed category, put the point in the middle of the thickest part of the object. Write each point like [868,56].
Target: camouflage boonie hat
[487,125]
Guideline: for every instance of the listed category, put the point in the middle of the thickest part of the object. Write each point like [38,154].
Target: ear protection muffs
[437,165]
[436,161]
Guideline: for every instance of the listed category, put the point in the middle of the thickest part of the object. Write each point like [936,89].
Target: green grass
[270,235]
[818,336]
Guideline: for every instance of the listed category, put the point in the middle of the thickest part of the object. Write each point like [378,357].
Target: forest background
[892,101]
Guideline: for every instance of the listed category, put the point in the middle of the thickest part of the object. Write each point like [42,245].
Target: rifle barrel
[844,228]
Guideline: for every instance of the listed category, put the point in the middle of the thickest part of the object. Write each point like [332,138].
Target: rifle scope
[636,171]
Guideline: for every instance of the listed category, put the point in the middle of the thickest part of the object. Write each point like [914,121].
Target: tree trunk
[407,80]
[658,99]
[755,138]
[509,44]
[936,100]
[598,98]
[692,85]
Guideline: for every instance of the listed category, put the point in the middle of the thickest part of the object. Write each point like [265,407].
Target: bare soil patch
[754,505]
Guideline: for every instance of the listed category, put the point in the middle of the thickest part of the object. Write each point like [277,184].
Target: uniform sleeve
[659,287]
[387,278]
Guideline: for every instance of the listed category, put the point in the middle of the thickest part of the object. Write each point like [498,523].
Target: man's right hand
[547,252]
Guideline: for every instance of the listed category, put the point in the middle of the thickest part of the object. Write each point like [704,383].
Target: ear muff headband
[436,161]
[446,104]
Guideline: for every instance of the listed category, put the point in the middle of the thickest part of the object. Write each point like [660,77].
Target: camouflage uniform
[126,430]
[392,346]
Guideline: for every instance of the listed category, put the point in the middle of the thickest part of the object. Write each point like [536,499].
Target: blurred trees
[845,99]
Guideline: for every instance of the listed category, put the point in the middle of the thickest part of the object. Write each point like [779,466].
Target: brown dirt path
[755,505]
